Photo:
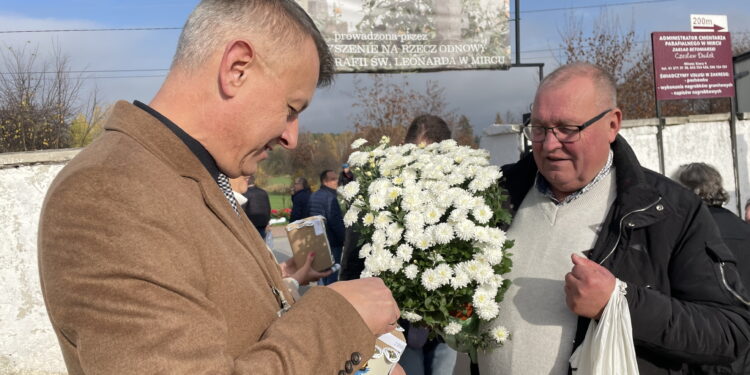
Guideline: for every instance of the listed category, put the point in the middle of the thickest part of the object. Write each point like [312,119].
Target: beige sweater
[534,310]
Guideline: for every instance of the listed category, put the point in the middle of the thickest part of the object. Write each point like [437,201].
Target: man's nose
[550,141]
[290,135]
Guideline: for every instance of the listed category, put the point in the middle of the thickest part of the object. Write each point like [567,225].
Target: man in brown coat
[146,264]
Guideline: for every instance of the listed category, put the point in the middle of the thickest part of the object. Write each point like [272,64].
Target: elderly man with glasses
[586,213]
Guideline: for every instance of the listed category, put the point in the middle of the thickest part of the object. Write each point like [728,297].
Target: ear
[614,124]
[238,59]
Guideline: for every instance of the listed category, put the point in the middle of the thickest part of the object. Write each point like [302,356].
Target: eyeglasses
[563,133]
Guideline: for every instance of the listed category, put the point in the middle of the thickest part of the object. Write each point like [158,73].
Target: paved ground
[283,251]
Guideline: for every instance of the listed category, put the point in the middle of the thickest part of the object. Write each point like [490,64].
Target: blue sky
[476,94]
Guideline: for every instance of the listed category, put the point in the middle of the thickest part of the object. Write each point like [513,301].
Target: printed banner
[418,35]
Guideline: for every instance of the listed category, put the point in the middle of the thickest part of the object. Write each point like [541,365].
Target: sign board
[418,35]
[708,23]
[692,65]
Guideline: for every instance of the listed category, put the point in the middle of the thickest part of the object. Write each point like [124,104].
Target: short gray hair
[705,181]
[600,77]
[283,23]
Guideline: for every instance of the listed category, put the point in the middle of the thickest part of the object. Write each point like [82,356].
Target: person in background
[586,213]
[258,207]
[706,182]
[300,199]
[346,176]
[423,356]
[147,265]
[747,211]
[324,202]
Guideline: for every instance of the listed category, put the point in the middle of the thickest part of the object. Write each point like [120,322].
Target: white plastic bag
[269,239]
[608,346]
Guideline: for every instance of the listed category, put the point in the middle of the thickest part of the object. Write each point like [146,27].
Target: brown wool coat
[146,269]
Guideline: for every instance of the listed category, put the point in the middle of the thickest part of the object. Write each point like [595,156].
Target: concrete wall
[27,343]
[704,138]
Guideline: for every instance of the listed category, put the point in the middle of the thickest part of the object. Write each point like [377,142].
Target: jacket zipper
[726,285]
[622,220]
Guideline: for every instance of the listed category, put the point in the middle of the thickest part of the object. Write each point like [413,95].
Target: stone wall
[28,344]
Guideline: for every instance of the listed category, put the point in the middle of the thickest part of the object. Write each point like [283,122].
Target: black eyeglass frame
[551,128]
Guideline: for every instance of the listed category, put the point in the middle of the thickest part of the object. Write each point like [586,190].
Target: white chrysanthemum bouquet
[428,220]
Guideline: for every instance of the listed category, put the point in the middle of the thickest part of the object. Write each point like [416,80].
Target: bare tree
[88,124]
[388,106]
[37,100]
[607,45]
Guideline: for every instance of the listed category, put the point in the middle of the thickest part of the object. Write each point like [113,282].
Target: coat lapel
[159,140]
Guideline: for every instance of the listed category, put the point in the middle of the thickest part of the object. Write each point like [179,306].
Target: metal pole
[518,31]
[735,162]
[660,137]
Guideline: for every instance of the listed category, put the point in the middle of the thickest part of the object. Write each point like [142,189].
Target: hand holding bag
[608,346]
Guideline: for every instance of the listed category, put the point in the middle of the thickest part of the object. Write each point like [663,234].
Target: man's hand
[305,274]
[372,300]
[398,370]
[588,287]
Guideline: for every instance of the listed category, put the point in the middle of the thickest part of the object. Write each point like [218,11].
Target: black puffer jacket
[685,296]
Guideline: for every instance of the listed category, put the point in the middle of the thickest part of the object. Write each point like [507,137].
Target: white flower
[458,216]
[392,194]
[351,216]
[411,316]
[455,178]
[394,232]
[411,271]
[482,214]
[414,220]
[358,143]
[481,234]
[377,202]
[423,241]
[365,251]
[383,220]
[378,238]
[411,198]
[444,273]
[463,201]
[452,328]
[349,190]
[493,255]
[430,280]
[432,215]
[460,279]
[369,219]
[500,334]
[497,236]
[479,271]
[442,233]
[358,158]
[488,311]
[495,282]
[465,230]
[404,252]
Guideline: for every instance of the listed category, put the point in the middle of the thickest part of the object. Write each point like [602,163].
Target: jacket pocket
[726,270]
